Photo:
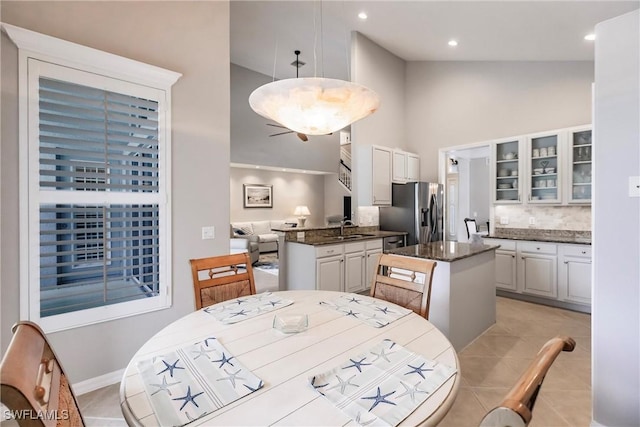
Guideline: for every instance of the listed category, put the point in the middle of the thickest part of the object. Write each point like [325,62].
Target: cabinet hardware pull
[538,248]
[584,252]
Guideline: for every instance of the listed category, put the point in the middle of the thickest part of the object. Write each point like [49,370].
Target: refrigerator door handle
[425,217]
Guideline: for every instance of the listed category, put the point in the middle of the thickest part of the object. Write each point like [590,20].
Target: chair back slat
[405,281]
[32,379]
[221,278]
[518,403]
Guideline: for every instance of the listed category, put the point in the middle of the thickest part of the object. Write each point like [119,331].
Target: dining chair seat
[405,281]
[516,409]
[33,382]
[221,278]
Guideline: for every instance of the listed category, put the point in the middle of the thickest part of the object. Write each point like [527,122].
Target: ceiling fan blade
[302,136]
[276,126]
[281,133]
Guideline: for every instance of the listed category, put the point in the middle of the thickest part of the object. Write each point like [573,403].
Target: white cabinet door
[329,273]
[506,171]
[354,268]
[399,167]
[372,261]
[506,270]
[544,168]
[413,167]
[381,175]
[538,274]
[579,151]
[576,274]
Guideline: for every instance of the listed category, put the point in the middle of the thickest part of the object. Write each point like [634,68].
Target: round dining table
[285,362]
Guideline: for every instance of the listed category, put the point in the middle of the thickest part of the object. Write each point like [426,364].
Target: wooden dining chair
[221,278]
[405,281]
[516,409]
[34,387]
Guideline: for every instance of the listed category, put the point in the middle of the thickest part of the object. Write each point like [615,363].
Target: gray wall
[289,191]
[250,141]
[188,37]
[616,224]
[381,71]
[456,103]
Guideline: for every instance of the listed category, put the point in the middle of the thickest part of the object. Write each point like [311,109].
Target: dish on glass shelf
[538,171]
[510,156]
[504,186]
[504,172]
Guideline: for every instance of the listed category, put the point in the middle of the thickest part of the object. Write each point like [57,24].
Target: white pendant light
[314,106]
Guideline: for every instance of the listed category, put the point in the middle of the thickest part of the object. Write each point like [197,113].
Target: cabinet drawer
[581,250]
[539,248]
[353,247]
[322,251]
[373,244]
[505,244]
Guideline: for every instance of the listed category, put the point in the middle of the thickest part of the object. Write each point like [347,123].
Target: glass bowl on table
[290,323]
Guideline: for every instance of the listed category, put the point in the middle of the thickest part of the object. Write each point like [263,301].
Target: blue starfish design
[164,386]
[354,299]
[418,370]
[385,310]
[241,301]
[259,386]
[206,341]
[351,313]
[201,352]
[357,365]
[392,343]
[313,383]
[379,398]
[170,368]
[224,360]
[361,422]
[274,303]
[188,398]
[239,313]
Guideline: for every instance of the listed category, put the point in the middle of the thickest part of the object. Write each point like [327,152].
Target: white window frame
[36,52]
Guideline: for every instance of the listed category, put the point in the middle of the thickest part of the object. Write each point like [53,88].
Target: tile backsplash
[368,216]
[577,218]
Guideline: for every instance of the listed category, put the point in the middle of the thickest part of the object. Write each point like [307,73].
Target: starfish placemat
[243,308]
[382,386]
[372,311]
[188,383]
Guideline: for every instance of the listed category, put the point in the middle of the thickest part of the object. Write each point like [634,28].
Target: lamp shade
[301,210]
[314,105]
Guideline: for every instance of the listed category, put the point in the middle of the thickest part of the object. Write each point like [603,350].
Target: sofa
[238,245]
[259,232]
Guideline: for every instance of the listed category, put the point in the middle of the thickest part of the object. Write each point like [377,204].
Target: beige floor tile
[574,406]
[465,412]
[487,371]
[104,402]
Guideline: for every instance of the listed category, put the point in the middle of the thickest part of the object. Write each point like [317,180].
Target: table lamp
[301,212]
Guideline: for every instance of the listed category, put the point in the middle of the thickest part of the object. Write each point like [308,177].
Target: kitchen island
[463,292]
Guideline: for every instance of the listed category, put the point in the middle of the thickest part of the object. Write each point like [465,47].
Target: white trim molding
[97,60]
[96,383]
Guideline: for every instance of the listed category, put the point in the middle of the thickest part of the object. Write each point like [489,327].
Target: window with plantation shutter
[95,193]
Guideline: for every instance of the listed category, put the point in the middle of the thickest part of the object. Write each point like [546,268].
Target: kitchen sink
[353,236]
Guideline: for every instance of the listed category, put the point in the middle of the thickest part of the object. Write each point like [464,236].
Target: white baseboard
[95,383]
[596,424]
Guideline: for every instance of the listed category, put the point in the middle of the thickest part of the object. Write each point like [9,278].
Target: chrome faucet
[344,222]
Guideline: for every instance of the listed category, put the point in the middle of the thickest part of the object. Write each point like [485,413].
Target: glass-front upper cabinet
[543,175]
[579,169]
[506,168]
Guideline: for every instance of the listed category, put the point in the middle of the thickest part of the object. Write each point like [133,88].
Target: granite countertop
[331,235]
[539,235]
[443,251]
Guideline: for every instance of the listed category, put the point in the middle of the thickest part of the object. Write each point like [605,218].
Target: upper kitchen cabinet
[578,189]
[544,178]
[406,167]
[506,171]
[373,174]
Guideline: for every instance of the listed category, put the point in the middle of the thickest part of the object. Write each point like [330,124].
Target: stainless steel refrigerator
[417,208]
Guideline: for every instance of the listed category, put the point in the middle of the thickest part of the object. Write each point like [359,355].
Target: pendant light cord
[275,59]
[315,43]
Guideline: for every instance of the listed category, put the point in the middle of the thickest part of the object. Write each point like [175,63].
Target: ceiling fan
[302,136]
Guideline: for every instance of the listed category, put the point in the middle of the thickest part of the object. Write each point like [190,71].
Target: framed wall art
[258,196]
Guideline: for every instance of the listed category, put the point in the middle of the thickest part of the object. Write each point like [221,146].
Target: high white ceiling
[265,33]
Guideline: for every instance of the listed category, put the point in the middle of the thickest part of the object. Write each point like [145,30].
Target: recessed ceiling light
[591,37]
[452,43]
[257,167]
[284,170]
[362,15]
